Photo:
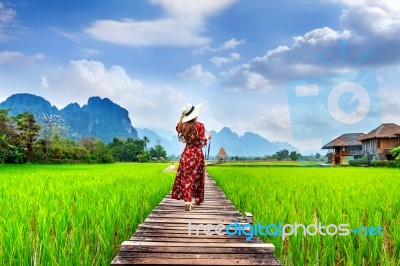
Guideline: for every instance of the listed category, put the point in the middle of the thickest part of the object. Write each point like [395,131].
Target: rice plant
[74,214]
[353,196]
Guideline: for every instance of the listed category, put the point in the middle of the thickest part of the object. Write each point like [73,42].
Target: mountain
[166,134]
[250,144]
[19,103]
[104,119]
[100,118]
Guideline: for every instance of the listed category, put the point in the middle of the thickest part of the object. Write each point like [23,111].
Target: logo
[282,230]
[324,107]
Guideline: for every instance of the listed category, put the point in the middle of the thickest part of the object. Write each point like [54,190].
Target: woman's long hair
[188,132]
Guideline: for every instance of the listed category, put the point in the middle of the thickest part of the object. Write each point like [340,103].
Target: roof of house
[222,153]
[349,139]
[388,130]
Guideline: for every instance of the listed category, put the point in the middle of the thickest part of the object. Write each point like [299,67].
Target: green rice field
[353,196]
[80,214]
[74,214]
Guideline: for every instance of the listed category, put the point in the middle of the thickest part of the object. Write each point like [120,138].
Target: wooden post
[249,217]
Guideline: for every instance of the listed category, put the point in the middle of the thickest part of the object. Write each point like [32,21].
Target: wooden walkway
[164,237]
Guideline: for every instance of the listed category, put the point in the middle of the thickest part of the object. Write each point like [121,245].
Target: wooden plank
[193,235]
[191,239]
[173,255]
[216,220]
[208,250]
[157,261]
[198,236]
[267,246]
[194,215]
[164,239]
[195,210]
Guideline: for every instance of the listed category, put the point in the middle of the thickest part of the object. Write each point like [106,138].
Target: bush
[385,163]
[105,158]
[359,162]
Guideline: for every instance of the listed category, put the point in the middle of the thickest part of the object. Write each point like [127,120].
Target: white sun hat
[191,111]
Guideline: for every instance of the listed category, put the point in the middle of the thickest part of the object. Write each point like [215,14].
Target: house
[344,148]
[221,156]
[381,140]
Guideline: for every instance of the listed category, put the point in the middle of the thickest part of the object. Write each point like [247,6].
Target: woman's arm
[178,127]
[203,138]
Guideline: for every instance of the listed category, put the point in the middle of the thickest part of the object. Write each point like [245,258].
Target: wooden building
[221,156]
[381,140]
[344,148]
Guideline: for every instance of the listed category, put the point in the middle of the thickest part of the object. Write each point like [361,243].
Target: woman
[189,180]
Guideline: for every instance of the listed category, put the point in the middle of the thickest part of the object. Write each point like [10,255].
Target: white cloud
[7,18]
[197,73]
[370,37]
[81,79]
[232,43]
[229,44]
[390,105]
[212,123]
[173,96]
[273,123]
[255,81]
[374,18]
[44,84]
[183,25]
[319,37]
[89,52]
[392,5]
[219,61]
[240,78]
[91,78]
[69,35]
[12,57]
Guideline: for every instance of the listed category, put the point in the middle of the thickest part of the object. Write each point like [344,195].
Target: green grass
[74,214]
[80,214]
[354,196]
[269,163]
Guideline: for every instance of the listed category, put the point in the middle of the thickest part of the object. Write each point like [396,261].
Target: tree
[89,143]
[7,137]
[6,124]
[129,150]
[396,153]
[146,141]
[52,126]
[103,154]
[317,156]
[158,151]
[28,132]
[4,148]
[294,156]
[281,155]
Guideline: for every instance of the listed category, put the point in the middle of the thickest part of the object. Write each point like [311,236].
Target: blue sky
[287,70]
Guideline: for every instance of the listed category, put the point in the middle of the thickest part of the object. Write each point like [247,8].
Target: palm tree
[146,141]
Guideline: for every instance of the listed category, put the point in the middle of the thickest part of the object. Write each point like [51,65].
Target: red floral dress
[189,180]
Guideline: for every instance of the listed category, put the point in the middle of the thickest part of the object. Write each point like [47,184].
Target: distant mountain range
[100,118]
[250,144]
[103,119]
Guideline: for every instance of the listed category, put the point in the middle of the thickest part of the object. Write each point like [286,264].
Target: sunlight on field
[354,196]
[74,214]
